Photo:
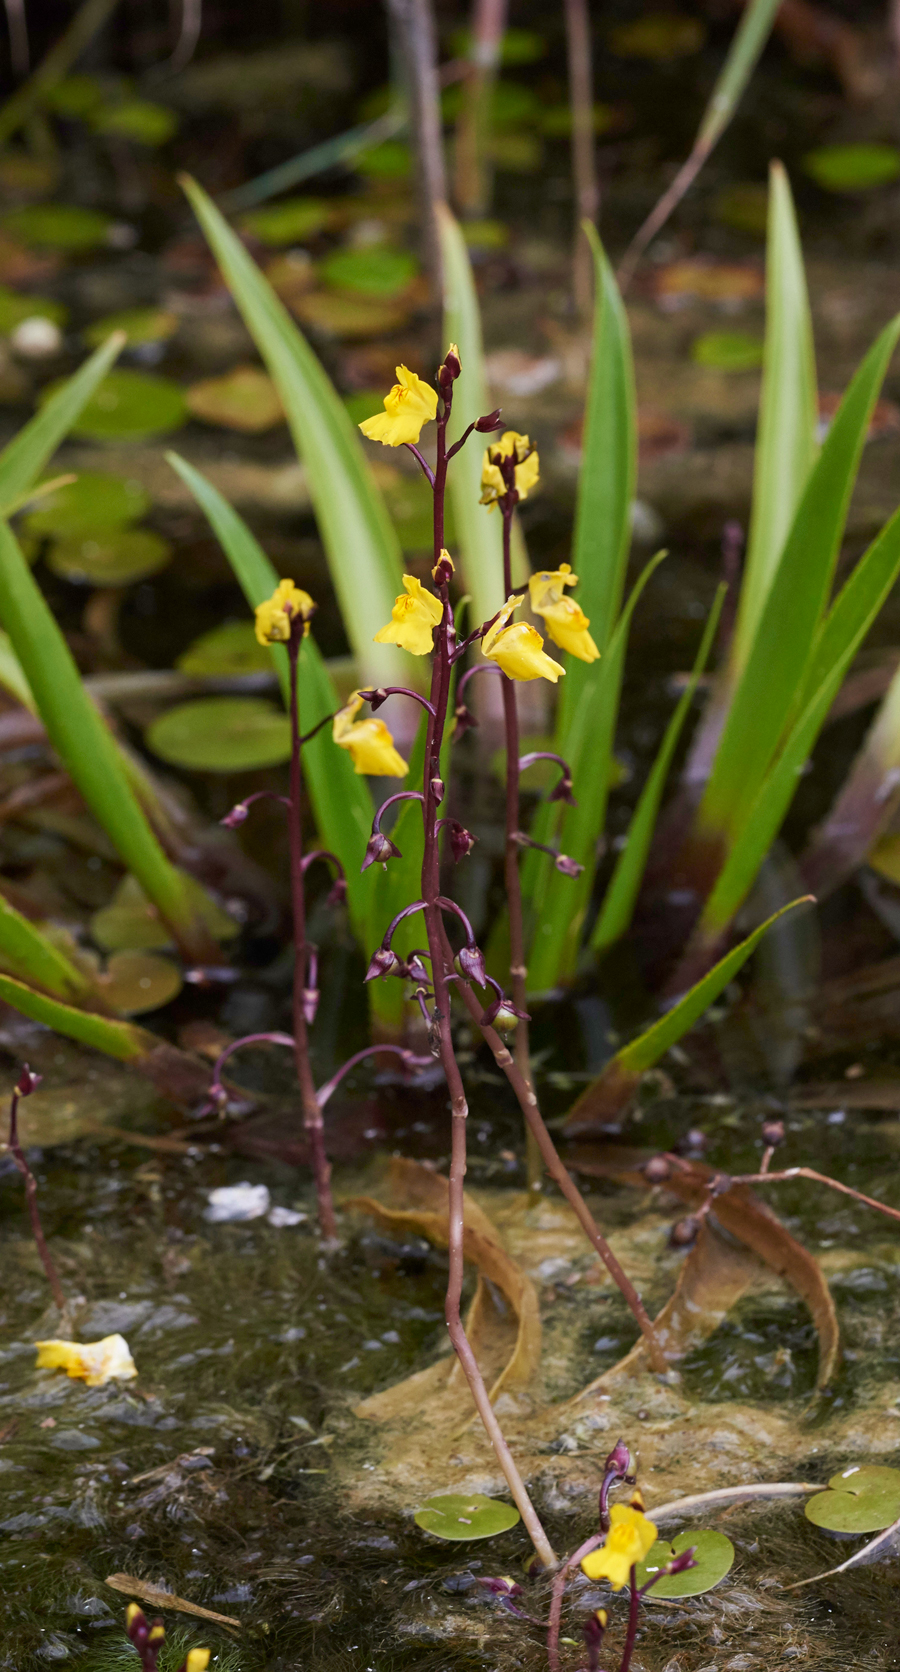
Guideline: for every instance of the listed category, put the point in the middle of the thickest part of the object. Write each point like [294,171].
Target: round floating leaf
[139,120]
[860,1499]
[727,351]
[289,222]
[460,1515]
[511,103]
[556,120]
[137,981]
[128,406]
[222,734]
[244,399]
[93,502]
[57,226]
[115,557]
[391,160]
[374,272]
[130,925]
[744,207]
[518,46]
[76,95]
[350,316]
[659,37]
[141,325]
[14,307]
[226,652]
[713,1553]
[853,168]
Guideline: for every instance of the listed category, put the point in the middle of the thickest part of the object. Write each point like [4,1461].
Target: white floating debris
[36,338]
[285,1216]
[233,1204]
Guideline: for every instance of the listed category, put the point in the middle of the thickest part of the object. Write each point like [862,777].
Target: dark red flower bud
[375,698]
[471,962]
[465,721]
[461,841]
[657,1170]
[416,970]
[568,867]
[237,816]
[563,792]
[773,1133]
[491,421]
[382,962]
[618,1463]
[452,362]
[28,1081]
[683,1562]
[379,850]
[684,1232]
[443,571]
[437,789]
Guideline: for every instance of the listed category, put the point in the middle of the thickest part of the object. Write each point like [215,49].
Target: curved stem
[377,694]
[409,1059]
[248,1039]
[420,460]
[480,667]
[402,795]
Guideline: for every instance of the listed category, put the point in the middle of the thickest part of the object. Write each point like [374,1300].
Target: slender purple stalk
[25,1085]
[407,1057]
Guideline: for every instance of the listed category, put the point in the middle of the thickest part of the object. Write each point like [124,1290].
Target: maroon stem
[407,1057]
[312,1114]
[556,1599]
[15,1149]
[633,1606]
[807,1173]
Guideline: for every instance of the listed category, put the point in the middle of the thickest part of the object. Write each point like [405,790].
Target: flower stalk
[25,1085]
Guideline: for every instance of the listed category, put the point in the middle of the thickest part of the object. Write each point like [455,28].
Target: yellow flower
[273,618]
[519,650]
[568,626]
[410,404]
[630,1537]
[548,586]
[197,1660]
[493,486]
[95,1363]
[412,619]
[370,744]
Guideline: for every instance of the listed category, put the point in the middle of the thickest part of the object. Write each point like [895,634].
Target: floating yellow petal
[493,486]
[413,618]
[518,650]
[274,617]
[369,743]
[629,1538]
[410,404]
[94,1362]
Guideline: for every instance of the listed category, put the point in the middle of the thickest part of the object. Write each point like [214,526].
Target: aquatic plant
[149,1636]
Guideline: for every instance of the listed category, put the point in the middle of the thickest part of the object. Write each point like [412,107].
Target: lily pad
[141,325]
[860,1499]
[518,46]
[244,399]
[226,652]
[57,226]
[114,557]
[713,1553]
[128,406]
[660,37]
[131,923]
[139,120]
[14,307]
[511,103]
[853,168]
[556,120]
[727,351]
[350,316]
[374,272]
[460,1515]
[134,982]
[221,734]
[391,160]
[94,502]
[289,222]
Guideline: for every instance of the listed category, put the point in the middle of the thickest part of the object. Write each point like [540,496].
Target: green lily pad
[76,95]
[391,160]
[727,351]
[460,1515]
[56,226]
[139,120]
[374,272]
[556,120]
[134,982]
[14,307]
[141,325]
[244,399]
[128,406]
[853,168]
[350,316]
[112,557]
[92,503]
[131,923]
[518,46]
[226,652]
[860,1499]
[713,1553]
[221,734]
[289,222]
[745,207]
[517,151]
[660,37]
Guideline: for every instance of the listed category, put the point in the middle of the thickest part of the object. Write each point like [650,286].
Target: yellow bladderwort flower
[410,404]
[369,743]
[197,1660]
[548,586]
[629,1538]
[413,618]
[94,1362]
[493,487]
[567,623]
[274,617]
[519,650]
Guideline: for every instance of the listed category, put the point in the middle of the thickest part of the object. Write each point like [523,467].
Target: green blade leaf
[22,461]
[786,445]
[116,1039]
[360,542]
[341,800]
[773,678]
[83,742]
[621,895]
[35,957]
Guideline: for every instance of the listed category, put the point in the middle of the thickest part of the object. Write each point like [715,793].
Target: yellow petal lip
[519,653]
[413,619]
[548,586]
[197,1660]
[93,1362]
[276,614]
[493,485]
[568,626]
[368,743]
[408,406]
[631,1535]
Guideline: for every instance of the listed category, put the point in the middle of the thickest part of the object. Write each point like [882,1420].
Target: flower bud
[437,789]
[657,1170]
[683,1562]
[382,962]
[28,1081]
[503,1015]
[773,1133]
[444,569]
[338,892]
[461,841]
[238,814]
[415,969]
[563,791]
[568,867]
[310,1004]
[491,421]
[452,361]
[471,964]
[379,850]
[618,1463]
[684,1232]
[465,721]
[375,698]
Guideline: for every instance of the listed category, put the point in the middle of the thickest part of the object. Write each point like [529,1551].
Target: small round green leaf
[289,222]
[14,307]
[112,557]
[727,351]
[94,502]
[226,652]
[137,981]
[244,399]
[139,120]
[141,325]
[130,927]
[374,272]
[56,226]
[221,734]
[459,1515]
[128,406]
[391,160]
[853,168]
[713,1553]
[860,1499]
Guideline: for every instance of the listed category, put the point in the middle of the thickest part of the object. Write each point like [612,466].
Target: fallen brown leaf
[156,1598]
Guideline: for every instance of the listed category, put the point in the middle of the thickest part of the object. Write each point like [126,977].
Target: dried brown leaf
[156,1598]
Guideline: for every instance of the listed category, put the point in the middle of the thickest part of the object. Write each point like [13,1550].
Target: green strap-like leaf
[749,39]
[122,1040]
[32,955]
[22,461]
[360,542]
